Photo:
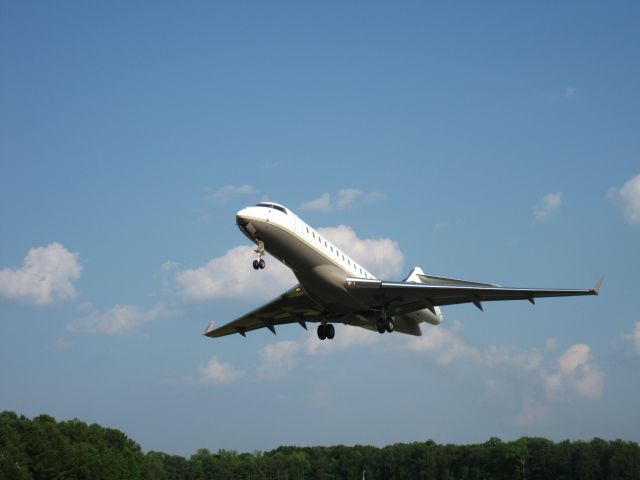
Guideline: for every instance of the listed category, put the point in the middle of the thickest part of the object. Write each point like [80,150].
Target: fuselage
[321,268]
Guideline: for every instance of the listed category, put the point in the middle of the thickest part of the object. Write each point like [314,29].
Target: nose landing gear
[259,263]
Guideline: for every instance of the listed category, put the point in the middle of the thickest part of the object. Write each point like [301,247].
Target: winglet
[596,289]
[210,328]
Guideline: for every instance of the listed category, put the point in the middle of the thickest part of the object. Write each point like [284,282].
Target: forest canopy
[43,448]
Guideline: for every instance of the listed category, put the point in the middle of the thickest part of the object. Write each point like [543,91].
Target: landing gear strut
[326,331]
[259,263]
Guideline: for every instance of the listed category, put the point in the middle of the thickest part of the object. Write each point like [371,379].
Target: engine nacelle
[426,315]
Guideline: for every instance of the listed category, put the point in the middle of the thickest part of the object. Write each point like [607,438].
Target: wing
[406,297]
[292,306]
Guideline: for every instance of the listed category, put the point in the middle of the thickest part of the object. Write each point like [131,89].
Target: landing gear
[385,325]
[389,326]
[326,331]
[321,332]
[259,263]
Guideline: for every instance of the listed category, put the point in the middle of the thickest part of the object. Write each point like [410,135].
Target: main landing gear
[259,263]
[326,331]
[385,325]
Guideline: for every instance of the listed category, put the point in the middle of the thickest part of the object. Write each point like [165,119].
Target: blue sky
[496,144]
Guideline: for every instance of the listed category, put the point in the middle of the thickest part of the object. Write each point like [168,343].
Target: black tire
[261,263]
[380,325]
[322,333]
[330,330]
[390,325]
[256,265]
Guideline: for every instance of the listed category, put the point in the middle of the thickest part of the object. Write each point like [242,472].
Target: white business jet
[334,288]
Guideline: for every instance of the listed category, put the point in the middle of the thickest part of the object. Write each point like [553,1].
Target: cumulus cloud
[575,371]
[216,373]
[277,359]
[447,346]
[346,337]
[627,198]
[382,256]
[343,200]
[231,276]
[322,204]
[550,203]
[540,375]
[226,192]
[45,276]
[119,320]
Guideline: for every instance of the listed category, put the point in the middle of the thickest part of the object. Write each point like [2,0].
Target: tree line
[42,448]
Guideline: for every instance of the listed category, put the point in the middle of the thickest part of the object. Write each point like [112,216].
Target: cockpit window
[275,206]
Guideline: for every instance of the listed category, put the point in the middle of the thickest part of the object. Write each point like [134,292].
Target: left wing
[406,297]
[292,306]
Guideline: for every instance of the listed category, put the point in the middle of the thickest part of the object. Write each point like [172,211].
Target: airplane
[334,288]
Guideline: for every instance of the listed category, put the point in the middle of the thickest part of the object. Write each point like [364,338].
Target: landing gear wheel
[330,331]
[389,325]
[380,326]
[322,333]
[261,263]
[256,265]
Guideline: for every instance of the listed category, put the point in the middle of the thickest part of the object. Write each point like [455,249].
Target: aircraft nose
[241,217]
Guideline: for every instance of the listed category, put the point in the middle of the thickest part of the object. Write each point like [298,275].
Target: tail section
[418,276]
[432,314]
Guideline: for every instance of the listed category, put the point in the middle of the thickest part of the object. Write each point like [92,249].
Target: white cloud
[346,337]
[119,320]
[543,377]
[226,192]
[345,199]
[448,347]
[575,372]
[216,373]
[166,269]
[322,204]
[550,203]
[277,359]
[627,198]
[444,343]
[45,276]
[382,256]
[232,276]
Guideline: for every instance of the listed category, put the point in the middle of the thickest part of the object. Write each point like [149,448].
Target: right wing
[405,297]
[292,306]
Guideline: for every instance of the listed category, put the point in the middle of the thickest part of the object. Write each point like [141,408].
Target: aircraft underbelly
[322,280]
